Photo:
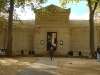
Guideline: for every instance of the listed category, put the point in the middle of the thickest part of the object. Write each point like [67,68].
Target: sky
[79,11]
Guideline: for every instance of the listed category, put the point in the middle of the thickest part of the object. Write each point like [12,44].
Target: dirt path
[12,66]
[64,66]
[76,66]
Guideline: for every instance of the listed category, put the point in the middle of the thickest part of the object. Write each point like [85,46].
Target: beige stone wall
[74,37]
[79,39]
[1,39]
[74,33]
[22,40]
[98,36]
[23,37]
[62,34]
[56,21]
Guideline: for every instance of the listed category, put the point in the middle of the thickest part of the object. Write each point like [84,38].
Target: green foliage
[65,2]
[3,22]
[21,3]
[93,2]
[42,11]
[30,2]
[2,5]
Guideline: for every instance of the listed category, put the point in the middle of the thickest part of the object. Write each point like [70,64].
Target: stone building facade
[56,28]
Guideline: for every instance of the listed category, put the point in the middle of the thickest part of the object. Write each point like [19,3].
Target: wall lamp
[61,42]
[41,42]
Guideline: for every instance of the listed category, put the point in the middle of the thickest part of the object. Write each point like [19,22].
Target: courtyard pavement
[45,66]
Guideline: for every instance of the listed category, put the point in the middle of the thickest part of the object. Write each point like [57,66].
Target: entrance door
[51,40]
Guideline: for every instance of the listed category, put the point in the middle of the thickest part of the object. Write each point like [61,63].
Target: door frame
[51,41]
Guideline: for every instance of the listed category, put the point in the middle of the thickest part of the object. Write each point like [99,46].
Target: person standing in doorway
[51,52]
[98,54]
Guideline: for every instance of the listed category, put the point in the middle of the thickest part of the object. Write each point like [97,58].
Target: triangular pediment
[54,8]
[52,15]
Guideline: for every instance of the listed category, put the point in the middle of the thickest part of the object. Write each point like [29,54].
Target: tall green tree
[92,4]
[10,23]
[10,19]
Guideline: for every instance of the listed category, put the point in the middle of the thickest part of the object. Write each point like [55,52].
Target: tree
[92,7]
[92,4]
[10,23]
[10,20]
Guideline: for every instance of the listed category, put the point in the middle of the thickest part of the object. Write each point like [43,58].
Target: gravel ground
[65,66]
[78,66]
[12,66]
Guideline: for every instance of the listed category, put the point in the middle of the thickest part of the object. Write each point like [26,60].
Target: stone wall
[23,36]
[80,36]
[79,39]
[74,36]
[22,39]
[62,34]
[1,38]
[74,33]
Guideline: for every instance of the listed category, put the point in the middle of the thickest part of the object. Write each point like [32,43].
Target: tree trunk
[10,37]
[91,21]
